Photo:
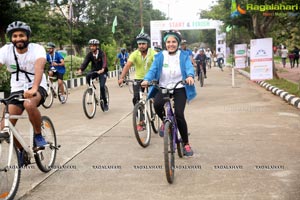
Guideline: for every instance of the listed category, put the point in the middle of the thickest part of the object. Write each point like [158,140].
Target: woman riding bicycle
[170,66]
[99,65]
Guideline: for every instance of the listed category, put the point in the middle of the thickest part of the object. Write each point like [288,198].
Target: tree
[8,14]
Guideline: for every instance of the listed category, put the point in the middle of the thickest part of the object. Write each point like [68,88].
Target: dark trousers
[102,81]
[179,105]
[136,91]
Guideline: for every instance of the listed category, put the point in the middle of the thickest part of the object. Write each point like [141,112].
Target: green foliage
[4,79]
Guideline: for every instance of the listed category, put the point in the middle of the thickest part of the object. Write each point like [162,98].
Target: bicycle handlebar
[165,90]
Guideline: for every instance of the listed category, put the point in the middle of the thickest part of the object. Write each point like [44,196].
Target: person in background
[99,64]
[284,54]
[141,59]
[296,56]
[57,66]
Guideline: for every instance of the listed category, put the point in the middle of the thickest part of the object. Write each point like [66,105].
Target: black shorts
[41,90]
[58,75]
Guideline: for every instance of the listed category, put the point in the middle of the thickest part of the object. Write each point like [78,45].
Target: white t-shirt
[171,72]
[284,53]
[26,62]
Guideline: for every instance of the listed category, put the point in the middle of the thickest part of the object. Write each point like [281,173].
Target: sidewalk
[292,75]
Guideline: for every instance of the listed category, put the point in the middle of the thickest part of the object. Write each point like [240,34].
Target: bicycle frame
[12,132]
[170,116]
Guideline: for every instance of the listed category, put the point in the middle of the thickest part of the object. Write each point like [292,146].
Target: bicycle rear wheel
[155,121]
[63,96]
[169,157]
[89,103]
[141,125]
[9,175]
[49,99]
[45,159]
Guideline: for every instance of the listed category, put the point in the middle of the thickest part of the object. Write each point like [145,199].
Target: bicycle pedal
[4,135]
[36,149]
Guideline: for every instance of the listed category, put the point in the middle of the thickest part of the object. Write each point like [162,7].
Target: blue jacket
[186,67]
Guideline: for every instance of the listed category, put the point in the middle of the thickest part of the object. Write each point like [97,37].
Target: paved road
[246,143]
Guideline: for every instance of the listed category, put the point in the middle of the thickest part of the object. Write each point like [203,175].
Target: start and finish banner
[240,55]
[261,61]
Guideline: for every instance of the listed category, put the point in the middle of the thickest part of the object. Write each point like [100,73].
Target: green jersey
[141,64]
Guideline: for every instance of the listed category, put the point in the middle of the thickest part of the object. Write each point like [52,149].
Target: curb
[76,82]
[291,99]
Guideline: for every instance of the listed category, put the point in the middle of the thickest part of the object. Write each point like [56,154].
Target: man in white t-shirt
[284,54]
[26,63]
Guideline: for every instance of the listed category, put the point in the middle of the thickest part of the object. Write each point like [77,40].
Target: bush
[4,79]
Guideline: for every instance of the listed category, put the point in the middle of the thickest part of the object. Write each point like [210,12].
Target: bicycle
[53,91]
[91,98]
[208,63]
[119,71]
[10,168]
[200,72]
[172,139]
[143,113]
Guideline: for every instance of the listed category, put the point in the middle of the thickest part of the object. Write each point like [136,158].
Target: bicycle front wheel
[63,96]
[201,79]
[49,99]
[45,159]
[141,124]
[9,175]
[169,152]
[107,99]
[155,121]
[89,103]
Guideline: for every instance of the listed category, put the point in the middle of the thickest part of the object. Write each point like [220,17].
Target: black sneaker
[106,108]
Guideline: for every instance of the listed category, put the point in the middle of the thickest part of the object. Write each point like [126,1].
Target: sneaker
[21,157]
[187,150]
[139,127]
[162,130]
[105,108]
[62,98]
[39,140]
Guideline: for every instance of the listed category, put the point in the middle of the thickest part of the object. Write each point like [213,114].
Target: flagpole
[71,38]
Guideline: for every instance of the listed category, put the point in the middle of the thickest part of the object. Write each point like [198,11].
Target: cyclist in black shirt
[99,64]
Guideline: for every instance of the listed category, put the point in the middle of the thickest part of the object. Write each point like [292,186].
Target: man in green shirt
[141,59]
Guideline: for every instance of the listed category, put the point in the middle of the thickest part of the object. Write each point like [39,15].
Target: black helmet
[143,38]
[94,41]
[50,45]
[18,26]
[175,33]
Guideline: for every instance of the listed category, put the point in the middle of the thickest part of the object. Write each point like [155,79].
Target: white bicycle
[10,155]
[54,91]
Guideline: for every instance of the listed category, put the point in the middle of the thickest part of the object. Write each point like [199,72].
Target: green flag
[142,31]
[115,23]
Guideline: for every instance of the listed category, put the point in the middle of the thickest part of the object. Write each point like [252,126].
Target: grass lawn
[283,84]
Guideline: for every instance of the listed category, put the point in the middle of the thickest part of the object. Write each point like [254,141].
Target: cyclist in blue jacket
[169,67]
